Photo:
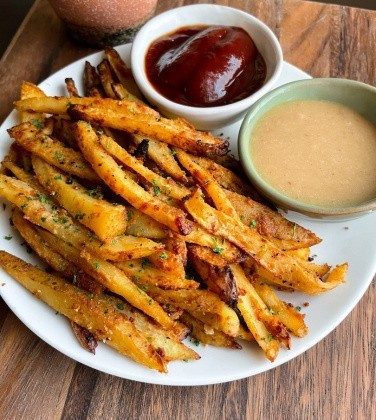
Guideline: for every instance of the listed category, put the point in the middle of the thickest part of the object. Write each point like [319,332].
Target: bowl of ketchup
[205,63]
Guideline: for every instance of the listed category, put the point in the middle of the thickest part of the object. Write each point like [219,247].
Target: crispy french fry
[282,266]
[112,278]
[219,280]
[61,105]
[200,301]
[160,184]
[166,344]
[104,219]
[123,73]
[42,212]
[169,131]
[140,224]
[71,87]
[269,223]
[53,151]
[163,156]
[122,184]
[168,262]
[93,313]
[144,272]
[29,90]
[216,338]
[271,321]
[92,82]
[293,320]
[122,93]
[107,80]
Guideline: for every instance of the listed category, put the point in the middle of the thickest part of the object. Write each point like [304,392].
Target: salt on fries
[147,235]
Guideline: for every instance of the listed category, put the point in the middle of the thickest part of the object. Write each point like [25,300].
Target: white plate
[351,241]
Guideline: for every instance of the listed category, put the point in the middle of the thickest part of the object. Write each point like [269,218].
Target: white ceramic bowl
[205,118]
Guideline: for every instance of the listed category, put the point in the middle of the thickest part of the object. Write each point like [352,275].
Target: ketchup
[205,66]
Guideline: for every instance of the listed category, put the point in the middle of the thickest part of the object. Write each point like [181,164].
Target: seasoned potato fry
[71,87]
[163,156]
[92,81]
[219,280]
[104,219]
[141,225]
[123,73]
[42,212]
[53,151]
[93,313]
[112,278]
[107,80]
[144,272]
[87,339]
[168,262]
[283,233]
[122,184]
[216,338]
[161,185]
[122,93]
[29,90]
[271,321]
[293,320]
[61,105]
[282,266]
[202,301]
[154,126]
[165,342]
[26,177]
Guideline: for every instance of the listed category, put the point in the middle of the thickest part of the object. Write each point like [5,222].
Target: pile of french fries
[148,235]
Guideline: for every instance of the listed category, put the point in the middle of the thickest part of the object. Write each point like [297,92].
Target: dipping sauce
[316,152]
[205,66]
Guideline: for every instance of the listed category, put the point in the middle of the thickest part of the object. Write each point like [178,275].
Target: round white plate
[346,241]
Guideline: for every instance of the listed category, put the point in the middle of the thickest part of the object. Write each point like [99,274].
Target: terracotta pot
[104,22]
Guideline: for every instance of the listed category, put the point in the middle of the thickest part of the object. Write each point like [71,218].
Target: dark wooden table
[333,380]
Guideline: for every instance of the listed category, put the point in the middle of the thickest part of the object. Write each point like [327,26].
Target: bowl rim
[281,200]
[141,43]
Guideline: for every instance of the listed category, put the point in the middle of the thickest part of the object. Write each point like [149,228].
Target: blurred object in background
[99,23]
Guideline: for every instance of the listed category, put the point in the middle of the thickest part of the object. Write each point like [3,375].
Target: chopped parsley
[253,223]
[120,306]
[164,256]
[217,249]
[8,238]
[37,124]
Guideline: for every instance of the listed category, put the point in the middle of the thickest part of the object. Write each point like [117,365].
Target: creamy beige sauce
[317,152]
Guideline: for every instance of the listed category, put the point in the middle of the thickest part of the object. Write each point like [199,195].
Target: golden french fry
[29,90]
[53,151]
[122,184]
[161,185]
[293,320]
[103,218]
[154,126]
[283,267]
[42,212]
[141,225]
[200,301]
[163,156]
[198,332]
[144,272]
[89,311]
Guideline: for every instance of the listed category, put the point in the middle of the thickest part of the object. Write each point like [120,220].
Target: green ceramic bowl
[355,95]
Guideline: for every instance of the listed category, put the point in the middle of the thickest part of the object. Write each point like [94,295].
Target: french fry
[216,338]
[91,312]
[52,151]
[200,301]
[163,156]
[293,320]
[122,184]
[153,126]
[123,73]
[269,223]
[112,278]
[219,280]
[141,225]
[71,87]
[61,105]
[162,340]
[29,90]
[282,266]
[42,212]
[33,235]
[144,272]
[122,93]
[104,219]
[271,321]
[160,184]
[107,80]
[168,262]
[92,81]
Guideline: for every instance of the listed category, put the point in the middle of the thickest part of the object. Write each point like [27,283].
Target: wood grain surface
[333,380]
